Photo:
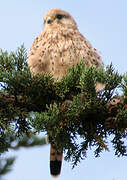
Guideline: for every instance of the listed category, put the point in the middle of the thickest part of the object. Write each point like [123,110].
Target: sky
[104,24]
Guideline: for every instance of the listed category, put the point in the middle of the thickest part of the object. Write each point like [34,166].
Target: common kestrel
[57,48]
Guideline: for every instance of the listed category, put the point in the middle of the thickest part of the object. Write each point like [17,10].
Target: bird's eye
[59,16]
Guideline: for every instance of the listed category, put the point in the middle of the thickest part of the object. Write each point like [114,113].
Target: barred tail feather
[55,161]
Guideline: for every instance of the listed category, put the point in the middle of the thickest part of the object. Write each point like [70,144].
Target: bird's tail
[55,161]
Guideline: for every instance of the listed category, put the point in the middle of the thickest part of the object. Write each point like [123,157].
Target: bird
[58,47]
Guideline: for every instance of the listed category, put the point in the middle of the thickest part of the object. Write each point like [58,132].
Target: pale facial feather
[66,21]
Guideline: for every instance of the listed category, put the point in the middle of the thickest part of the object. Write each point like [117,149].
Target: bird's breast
[55,52]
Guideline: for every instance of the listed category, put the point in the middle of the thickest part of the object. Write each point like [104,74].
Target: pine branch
[16,143]
[26,142]
[6,165]
[64,109]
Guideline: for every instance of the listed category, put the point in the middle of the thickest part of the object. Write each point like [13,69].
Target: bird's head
[56,18]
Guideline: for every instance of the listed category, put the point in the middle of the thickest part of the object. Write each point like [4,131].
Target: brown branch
[26,105]
[19,103]
[112,107]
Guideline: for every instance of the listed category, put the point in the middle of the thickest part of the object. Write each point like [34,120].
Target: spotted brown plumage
[57,48]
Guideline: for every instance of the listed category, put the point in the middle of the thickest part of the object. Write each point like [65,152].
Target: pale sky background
[104,24]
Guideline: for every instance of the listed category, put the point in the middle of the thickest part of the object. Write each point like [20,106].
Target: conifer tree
[65,110]
[15,143]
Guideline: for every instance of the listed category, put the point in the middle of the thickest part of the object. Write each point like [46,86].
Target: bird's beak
[50,19]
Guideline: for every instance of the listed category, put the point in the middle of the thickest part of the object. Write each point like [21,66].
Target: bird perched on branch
[59,47]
